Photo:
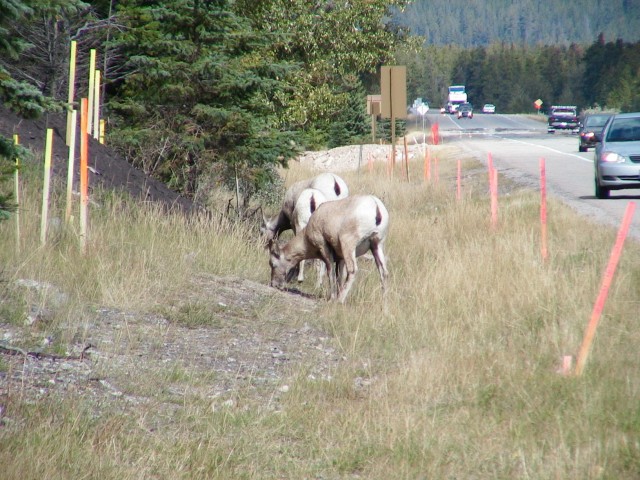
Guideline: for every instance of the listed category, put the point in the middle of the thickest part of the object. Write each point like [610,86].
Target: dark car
[465,110]
[562,117]
[617,154]
[591,125]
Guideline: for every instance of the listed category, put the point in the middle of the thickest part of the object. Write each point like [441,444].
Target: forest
[471,24]
[204,94]
[601,75]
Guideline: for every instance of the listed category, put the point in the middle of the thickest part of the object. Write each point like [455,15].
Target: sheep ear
[274,248]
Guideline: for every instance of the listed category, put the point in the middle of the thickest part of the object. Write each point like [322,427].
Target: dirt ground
[109,170]
[242,355]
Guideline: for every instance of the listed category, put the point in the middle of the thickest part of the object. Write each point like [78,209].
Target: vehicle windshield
[624,130]
[596,121]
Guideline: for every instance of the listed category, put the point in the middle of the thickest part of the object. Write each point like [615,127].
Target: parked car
[465,110]
[590,125]
[489,108]
[617,154]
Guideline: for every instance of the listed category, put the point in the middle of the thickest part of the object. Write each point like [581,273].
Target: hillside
[470,24]
[109,170]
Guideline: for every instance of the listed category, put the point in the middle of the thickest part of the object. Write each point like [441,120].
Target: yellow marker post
[92,79]
[16,141]
[45,189]
[102,127]
[96,106]
[70,167]
[72,86]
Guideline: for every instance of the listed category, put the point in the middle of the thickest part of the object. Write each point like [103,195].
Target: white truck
[457,96]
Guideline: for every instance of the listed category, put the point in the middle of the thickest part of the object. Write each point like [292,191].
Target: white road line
[546,148]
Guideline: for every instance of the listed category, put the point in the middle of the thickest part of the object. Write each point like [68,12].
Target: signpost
[537,105]
[422,110]
[393,83]
[373,109]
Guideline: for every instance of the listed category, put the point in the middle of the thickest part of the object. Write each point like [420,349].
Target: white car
[489,108]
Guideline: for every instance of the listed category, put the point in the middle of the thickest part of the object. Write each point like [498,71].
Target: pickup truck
[563,117]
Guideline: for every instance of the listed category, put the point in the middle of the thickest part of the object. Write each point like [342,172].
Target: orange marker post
[490,169]
[435,134]
[494,198]
[604,289]
[84,173]
[543,210]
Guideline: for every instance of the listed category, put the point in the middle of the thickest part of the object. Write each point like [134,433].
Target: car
[465,110]
[590,125]
[617,154]
[563,117]
[489,108]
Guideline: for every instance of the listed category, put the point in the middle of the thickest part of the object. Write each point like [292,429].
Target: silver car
[617,154]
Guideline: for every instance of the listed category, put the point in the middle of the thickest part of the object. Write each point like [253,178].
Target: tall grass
[452,375]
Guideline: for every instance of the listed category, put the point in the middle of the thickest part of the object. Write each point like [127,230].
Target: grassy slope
[456,380]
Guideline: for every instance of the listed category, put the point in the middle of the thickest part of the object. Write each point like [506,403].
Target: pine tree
[200,95]
[16,95]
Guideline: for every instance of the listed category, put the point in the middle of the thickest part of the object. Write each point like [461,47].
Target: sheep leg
[321,270]
[378,255]
[332,277]
[351,267]
[301,272]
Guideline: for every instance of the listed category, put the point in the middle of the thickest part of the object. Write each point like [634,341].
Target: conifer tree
[15,95]
[200,95]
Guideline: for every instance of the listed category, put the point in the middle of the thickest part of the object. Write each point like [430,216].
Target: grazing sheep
[308,201]
[337,233]
[332,187]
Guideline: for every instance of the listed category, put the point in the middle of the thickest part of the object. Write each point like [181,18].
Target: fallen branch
[40,355]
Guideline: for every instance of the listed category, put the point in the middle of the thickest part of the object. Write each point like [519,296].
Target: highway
[517,142]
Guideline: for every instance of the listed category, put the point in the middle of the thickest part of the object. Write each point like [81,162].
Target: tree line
[203,94]
[526,22]
[602,75]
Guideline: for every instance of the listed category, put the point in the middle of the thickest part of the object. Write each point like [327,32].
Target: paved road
[517,143]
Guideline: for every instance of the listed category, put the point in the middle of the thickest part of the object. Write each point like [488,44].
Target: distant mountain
[471,23]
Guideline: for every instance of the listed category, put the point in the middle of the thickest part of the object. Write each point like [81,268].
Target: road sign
[393,83]
[423,109]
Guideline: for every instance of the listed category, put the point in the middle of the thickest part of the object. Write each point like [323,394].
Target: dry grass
[455,379]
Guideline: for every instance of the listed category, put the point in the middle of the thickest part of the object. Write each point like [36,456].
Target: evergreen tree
[18,96]
[333,42]
[350,125]
[200,96]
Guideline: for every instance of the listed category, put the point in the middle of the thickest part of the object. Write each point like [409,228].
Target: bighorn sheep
[332,186]
[337,233]
[308,201]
